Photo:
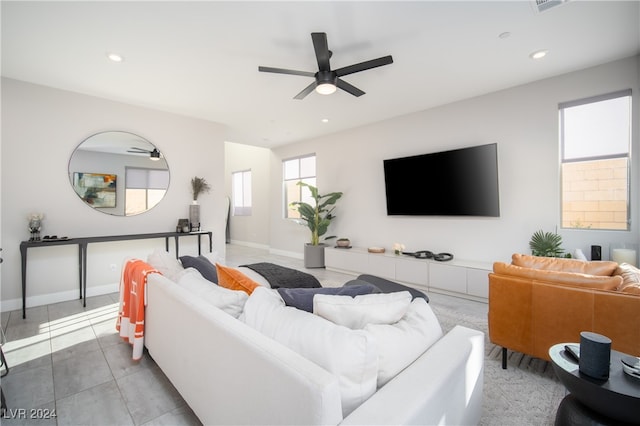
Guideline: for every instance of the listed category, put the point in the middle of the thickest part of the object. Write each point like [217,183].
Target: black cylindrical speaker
[596,253]
[595,355]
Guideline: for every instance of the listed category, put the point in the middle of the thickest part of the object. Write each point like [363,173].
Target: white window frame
[288,180]
[242,194]
[154,182]
[594,157]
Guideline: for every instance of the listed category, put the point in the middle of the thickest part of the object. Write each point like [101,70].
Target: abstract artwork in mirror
[96,189]
[119,173]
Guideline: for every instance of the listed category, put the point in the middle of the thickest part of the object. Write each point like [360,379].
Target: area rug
[526,393]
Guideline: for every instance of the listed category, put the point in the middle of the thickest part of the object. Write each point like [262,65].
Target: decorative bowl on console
[343,242]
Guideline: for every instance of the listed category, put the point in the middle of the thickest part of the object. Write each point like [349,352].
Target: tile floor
[69,367]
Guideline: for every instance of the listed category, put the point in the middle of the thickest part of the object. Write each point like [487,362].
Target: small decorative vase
[194,216]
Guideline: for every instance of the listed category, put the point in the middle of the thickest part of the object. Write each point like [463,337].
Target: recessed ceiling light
[115,57]
[539,54]
[325,120]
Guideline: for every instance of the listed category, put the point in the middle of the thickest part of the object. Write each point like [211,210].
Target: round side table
[617,398]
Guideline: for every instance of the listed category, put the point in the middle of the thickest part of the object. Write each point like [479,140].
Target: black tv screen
[460,182]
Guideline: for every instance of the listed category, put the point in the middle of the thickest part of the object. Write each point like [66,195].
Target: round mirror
[119,173]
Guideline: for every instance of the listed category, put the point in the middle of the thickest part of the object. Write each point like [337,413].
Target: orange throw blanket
[130,322]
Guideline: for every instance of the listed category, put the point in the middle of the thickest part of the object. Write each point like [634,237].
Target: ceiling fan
[326,79]
[153,155]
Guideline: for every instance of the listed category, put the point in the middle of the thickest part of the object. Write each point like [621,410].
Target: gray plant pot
[314,256]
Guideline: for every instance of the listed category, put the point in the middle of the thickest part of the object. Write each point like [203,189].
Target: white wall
[250,230]
[41,127]
[524,123]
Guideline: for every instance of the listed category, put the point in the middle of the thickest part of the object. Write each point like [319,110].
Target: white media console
[460,278]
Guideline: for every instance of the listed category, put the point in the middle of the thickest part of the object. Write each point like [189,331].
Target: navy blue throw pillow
[202,265]
[302,298]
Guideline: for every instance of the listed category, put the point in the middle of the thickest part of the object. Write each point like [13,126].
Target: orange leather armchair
[537,302]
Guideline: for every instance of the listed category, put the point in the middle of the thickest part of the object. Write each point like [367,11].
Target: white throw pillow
[351,355]
[166,264]
[402,343]
[230,301]
[357,312]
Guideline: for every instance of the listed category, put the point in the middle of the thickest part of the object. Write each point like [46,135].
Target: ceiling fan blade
[349,88]
[322,50]
[136,150]
[285,71]
[306,91]
[374,63]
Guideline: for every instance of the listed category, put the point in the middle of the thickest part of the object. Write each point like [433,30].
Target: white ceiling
[201,58]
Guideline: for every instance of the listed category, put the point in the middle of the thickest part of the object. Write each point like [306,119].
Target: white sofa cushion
[351,355]
[357,312]
[402,343]
[230,301]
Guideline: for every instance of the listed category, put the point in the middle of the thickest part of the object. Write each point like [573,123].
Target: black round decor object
[442,257]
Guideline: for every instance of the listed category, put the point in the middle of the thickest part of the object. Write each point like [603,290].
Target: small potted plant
[547,244]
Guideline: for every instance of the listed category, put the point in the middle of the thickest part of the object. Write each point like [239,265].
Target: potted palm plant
[547,244]
[317,217]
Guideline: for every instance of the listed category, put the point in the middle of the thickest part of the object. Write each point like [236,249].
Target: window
[241,182]
[595,136]
[144,188]
[295,170]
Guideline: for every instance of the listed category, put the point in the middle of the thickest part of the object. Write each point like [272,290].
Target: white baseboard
[293,254]
[250,244]
[63,296]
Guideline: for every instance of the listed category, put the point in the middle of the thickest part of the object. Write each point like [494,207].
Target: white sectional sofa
[232,374]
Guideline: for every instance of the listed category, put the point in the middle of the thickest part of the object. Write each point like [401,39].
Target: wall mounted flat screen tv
[460,182]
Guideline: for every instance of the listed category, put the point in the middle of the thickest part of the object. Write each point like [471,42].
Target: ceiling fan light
[325,88]
[154,155]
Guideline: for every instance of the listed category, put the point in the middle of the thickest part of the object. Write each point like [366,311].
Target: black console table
[592,401]
[82,244]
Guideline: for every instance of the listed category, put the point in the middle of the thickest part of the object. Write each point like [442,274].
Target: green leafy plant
[547,244]
[198,186]
[317,217]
